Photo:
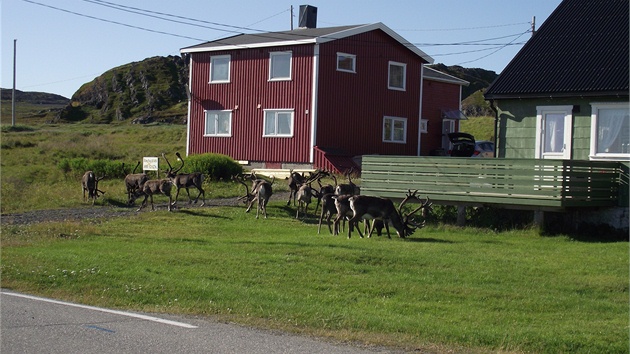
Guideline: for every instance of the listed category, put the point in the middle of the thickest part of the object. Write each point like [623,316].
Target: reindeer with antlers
[134,182]
[261,192]
[186,180]
[368,207]
[89,182]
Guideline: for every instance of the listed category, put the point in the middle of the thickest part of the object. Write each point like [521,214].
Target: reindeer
[342,206]
[89,182]
[261,192]
[134,182]
[186,181]
[154,186]
[382,208]
[328,210]
[295,181]
[349,188]
[304,195]
[323,190]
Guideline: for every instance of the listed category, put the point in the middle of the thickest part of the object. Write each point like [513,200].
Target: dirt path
[108,211]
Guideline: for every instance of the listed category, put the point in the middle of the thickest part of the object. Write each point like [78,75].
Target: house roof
[299,36]
[580,50]
[436,75]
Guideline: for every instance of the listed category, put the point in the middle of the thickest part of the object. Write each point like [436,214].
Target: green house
[565,94]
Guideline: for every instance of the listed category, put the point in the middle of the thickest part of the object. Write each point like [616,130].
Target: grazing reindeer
[90,184]
[134,182]
[342,206]
[382,208]
[304,195]
[323,190]
[155,186]
[349,188]
[295,181]
[261,192]
[186,180]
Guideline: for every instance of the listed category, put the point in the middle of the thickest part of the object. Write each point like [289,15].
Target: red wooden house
[313,97]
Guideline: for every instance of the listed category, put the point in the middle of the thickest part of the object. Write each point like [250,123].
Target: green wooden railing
[529,183]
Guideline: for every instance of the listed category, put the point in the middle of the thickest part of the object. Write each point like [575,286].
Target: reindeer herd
[343,201]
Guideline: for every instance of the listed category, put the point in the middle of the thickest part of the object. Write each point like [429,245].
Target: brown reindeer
[89,182]
[186,180]
[134,182]
[261,192]
[152,187]
[368,207]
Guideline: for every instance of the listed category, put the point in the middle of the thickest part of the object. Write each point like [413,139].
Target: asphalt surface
[38,325]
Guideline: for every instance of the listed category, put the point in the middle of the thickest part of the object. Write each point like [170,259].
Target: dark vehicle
[464,145]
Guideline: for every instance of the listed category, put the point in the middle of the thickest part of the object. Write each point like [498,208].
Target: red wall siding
[249,88]
[436,97]
[352,105]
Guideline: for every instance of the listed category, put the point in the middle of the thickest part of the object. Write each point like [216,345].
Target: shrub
[215,166]
[77,166]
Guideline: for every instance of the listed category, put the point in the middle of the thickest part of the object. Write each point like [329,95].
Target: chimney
[308,16]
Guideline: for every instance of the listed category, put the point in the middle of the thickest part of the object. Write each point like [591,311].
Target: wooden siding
[517,135]
[437,97]
[250,91]
[526,183]
[351,106]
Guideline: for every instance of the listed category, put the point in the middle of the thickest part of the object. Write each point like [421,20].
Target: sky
[62,44]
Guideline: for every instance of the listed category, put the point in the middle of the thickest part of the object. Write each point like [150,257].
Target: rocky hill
[33,97]
[142,92]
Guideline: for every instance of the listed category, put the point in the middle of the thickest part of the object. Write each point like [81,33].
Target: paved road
[37,325]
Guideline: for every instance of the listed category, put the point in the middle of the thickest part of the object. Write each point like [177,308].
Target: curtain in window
[554,132]
[609,123]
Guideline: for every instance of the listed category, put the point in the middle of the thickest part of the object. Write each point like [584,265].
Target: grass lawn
[443,289]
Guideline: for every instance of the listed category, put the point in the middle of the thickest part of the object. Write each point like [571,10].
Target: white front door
[554,132]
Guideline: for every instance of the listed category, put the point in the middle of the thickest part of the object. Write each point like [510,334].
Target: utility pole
[13,95]
[533,25]
[291,13]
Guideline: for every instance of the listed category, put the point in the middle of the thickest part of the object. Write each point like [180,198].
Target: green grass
[444,289]
[482,128]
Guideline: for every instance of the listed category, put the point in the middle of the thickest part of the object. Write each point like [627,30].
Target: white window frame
[594,155]
[391,138]
[275,113]
[207,114]
[215,58]
[541,113]
[389,76]
[272,59]
[352,57]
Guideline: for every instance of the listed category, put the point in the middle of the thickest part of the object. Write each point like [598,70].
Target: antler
[240,179]
[410,195]
[424,205]
[180,159]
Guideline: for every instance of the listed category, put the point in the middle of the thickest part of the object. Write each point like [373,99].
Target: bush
[77,166]
[215,166]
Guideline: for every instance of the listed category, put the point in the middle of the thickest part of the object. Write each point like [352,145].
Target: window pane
[387,130]
[554,132]
[280,66]
[223,125]
[270,123]
[345,62]
[399,130]
[396,76]
[211,119]
[220,69]
[284,123]
[613,127]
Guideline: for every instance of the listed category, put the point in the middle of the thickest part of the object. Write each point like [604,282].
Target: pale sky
[63,44]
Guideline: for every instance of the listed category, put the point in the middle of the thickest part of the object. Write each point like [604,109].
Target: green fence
[527,183]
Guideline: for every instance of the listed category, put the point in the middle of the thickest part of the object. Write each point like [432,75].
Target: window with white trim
[278,123]
[346,62]
[397,76]
[280,66]
[220,69]
[218,123]
[394,130]
[610,131]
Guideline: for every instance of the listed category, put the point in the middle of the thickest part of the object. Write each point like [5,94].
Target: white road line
[115,312]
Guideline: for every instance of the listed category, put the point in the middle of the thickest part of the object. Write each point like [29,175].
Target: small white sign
[150,164]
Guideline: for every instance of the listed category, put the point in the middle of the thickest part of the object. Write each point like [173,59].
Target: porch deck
[553,185]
